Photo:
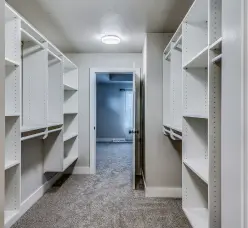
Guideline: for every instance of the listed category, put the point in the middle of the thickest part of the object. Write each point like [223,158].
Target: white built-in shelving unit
[172,87]
[196,80]
[41,102]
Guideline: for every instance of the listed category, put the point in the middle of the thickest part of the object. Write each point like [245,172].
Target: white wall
[162,161]
[84,63]
[2,113]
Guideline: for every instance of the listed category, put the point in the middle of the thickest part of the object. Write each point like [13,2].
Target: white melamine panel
[70,124]
[71,148]
[12,192]
[54,152]
[12,90]
[13,40]
[215,20]
[70,101]
[195,139]
[55,94]
[34,85]
[71,78]
[166,92]
[195,92]
[195,199]
[176,89]
[12,140]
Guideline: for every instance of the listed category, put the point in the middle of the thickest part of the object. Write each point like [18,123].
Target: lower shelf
[10,164]
[198,218]
[199,167]
[68,161]
[8,215]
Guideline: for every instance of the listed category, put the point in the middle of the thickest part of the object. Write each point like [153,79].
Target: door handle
[133,132]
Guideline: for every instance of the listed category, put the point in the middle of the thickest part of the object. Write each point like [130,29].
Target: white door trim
[92,80]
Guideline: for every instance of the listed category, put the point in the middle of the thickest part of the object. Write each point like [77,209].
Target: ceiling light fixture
[110,39]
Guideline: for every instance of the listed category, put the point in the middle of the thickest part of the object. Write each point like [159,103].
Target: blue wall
[111,115]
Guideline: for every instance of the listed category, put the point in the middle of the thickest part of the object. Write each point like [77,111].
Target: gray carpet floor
[104,200]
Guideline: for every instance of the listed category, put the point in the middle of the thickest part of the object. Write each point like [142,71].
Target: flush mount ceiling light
[110,39]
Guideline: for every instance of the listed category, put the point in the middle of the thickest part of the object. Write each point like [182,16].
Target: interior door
[136,128]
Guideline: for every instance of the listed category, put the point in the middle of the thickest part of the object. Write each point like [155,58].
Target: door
[136,128]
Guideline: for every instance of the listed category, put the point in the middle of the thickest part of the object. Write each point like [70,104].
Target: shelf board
[54,124]
[217,59]
[67,87]
[198,217]
[8,215]
[167,56]
[195,116]
[70,113]
[9,62]
[178,43]
[70,136]
[10,164]
[199,61]
[12,114]
[27,37]
[217,44]
[199,167]
[33,128]
[68,161]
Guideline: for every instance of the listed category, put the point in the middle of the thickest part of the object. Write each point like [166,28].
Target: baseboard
[31,200]
[78,170]
[110,140]
[163,192]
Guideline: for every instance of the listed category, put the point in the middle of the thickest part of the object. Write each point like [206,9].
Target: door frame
[92,75]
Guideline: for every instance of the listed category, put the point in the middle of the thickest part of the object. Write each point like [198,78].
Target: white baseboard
[77,170]
[163,192]
[31,200]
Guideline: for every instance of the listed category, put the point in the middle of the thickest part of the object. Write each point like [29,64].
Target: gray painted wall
[111,116]
[84,63]
[163,167]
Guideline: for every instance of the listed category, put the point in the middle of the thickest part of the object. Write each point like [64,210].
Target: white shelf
[198,218]
[199,167]
[70,136]
[33,128]
[70,113]
[9,62]
[197,116]
[10,164]
[68,161]
[67,87]
[199,61]
[12,114]
[54,130]
[178,42]
[168,56]
[217,44]
[54,124]
[8,215]
[217,59]
[26,37]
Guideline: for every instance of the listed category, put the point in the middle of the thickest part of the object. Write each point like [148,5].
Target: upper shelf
[67,87]
[9,62]
[69,65]
[199,61]
[27,37]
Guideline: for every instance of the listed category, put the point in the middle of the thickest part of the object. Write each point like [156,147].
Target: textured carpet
[104,200]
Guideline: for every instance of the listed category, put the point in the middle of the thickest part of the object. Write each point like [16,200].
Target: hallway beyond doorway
[104,200]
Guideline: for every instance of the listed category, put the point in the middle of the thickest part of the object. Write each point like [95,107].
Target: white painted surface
[2,113]
[163,165]
[163,192]
[84,63]
[232,199]
[78,27]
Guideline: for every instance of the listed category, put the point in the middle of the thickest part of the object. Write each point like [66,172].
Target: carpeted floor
[105,200]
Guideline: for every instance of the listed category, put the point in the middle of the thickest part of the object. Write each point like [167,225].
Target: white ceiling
[77,25]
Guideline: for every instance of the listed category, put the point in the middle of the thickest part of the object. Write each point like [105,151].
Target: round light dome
[110,39]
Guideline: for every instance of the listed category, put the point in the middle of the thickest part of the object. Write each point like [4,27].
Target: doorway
[115,112]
